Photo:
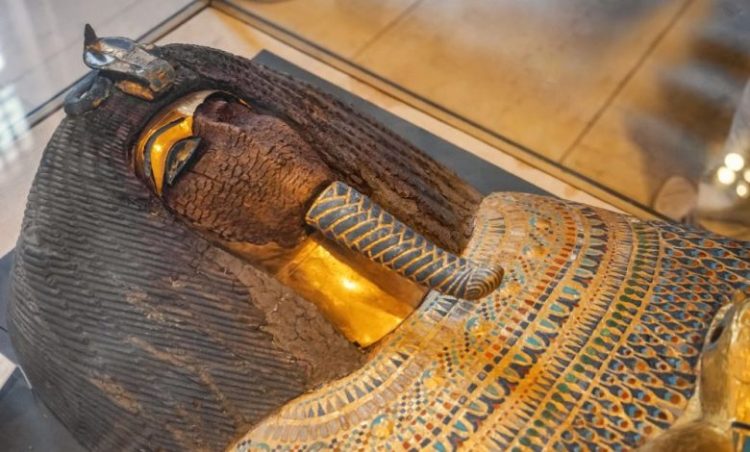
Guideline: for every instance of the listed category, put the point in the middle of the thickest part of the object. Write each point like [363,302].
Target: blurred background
[639,102]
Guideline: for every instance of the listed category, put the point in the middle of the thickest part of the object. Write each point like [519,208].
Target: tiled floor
[347,27]
[627,94]
[536,72]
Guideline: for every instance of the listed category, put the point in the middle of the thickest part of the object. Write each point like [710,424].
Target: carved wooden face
[250,180]
[254,182]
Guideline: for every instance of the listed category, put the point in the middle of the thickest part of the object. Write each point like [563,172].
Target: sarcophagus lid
[217,255]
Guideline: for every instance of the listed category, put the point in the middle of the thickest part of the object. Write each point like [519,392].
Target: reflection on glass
[635,96]
[725,175]
[742,190]
[734,161]
[724,191]
[13,125]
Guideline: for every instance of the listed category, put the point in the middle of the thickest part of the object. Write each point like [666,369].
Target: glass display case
[629,101]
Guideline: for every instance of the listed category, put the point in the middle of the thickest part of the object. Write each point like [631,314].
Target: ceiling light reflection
[13,126]
[734,161]
[725,175]
[742,190]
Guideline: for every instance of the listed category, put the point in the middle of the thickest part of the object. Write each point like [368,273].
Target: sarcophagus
[217,255]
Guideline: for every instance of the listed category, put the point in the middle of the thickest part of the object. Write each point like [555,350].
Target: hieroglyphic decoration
[592,340]
[351,219]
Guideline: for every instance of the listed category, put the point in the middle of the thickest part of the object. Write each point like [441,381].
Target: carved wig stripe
[351,219]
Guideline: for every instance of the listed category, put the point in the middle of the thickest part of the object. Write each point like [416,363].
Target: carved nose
[354,221]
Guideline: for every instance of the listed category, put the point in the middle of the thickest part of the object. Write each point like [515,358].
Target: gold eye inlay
[157,146]
[170,126]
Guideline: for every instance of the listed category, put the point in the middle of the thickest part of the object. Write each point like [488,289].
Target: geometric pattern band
[592,341]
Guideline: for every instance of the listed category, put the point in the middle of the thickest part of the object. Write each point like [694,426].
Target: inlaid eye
[180,156]
[167,145]
[159,145]
[98,59]
[716,333]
